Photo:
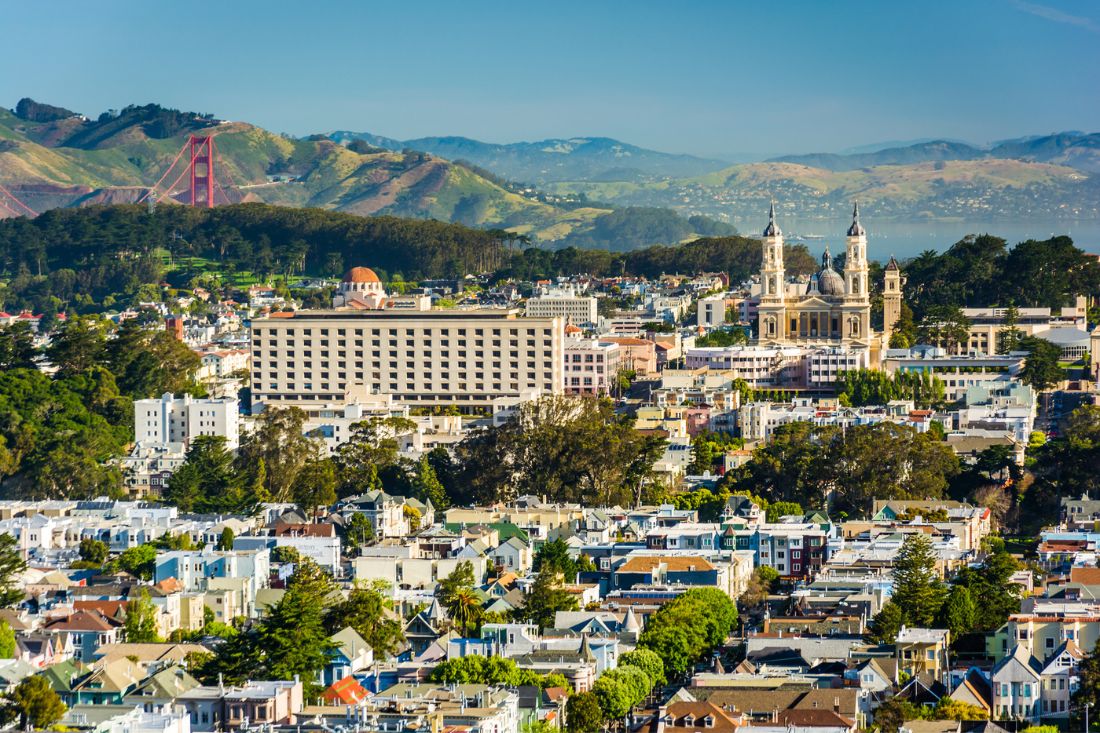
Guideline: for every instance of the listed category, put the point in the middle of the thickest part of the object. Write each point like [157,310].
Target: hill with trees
[51,157]
[90,259]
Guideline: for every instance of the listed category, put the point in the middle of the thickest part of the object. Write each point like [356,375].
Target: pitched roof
[1085,576]
[808,717]
[82,621]
[346,691]
[683,711]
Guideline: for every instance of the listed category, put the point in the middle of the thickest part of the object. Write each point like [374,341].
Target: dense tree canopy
[572,449]
[981,270]
[687,628]
[861,463]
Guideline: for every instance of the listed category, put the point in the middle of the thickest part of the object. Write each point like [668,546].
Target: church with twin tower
[832,309]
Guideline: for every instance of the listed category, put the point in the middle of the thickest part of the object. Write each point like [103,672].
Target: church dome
[361,275]
[829,281]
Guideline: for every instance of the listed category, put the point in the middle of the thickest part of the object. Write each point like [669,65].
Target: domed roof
[829,281]
[772,230]
[361,275]
[856,230]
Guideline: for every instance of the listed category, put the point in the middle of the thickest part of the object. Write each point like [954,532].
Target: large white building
[466,358]
[564,303]
[591,366]
[171,419]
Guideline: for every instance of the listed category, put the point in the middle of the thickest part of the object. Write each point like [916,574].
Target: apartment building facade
[461,358]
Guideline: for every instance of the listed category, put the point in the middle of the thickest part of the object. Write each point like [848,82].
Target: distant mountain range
[1072,149]
[571,159]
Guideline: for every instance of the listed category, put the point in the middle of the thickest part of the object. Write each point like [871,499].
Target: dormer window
[708,722]
[689,721]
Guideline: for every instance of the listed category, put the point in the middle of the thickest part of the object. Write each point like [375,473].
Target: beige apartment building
[422,358]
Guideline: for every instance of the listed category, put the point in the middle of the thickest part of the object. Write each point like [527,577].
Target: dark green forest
[982,270]
[90,259]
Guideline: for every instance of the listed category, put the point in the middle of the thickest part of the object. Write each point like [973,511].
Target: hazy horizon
[706,78]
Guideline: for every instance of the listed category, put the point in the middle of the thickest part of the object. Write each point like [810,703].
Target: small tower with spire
[772,283]
[892,283]
[855,260]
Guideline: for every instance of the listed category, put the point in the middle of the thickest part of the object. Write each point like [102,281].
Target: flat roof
[399,315]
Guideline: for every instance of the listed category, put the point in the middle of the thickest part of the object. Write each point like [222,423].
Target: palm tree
[465,610]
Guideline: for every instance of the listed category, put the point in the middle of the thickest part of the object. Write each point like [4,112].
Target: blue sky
[700,77]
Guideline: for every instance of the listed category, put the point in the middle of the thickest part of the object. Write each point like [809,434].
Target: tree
[357,532]
[225,541]
[789,467]
[783,509]
[140,626]
[994,596]
[950,709]
[886,461]
[918,590]
[17,349]
[546,598]
[1010,335]
[149,361]
[12,566]
[688,627]
[292,636]
[887,623]
[890,715]
[7,640]
[78,346]
[583,713]
[946,326]
[555,554]
[93,551]
[371,614]
[1088,690]
[279,444]
[371,447]
[1041,370]
[315,485]
[570,448]
[464,608]
[36,703]
[615,698]
[210,481]
[139,561]
[957,613]
[647,661]
[426,485]
[755,597]
[460,579]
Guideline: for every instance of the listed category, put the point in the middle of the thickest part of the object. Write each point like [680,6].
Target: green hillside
[73,161]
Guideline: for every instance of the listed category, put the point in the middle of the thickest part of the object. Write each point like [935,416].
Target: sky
[707,78]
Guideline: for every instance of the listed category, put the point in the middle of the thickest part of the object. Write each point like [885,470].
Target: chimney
[836,705]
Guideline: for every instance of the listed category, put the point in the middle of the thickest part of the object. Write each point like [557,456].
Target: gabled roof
[1069,646]
[346,691]
[62,675]
[170,682]
[349,642]
[974,688]
[1024,658]
[82,621]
